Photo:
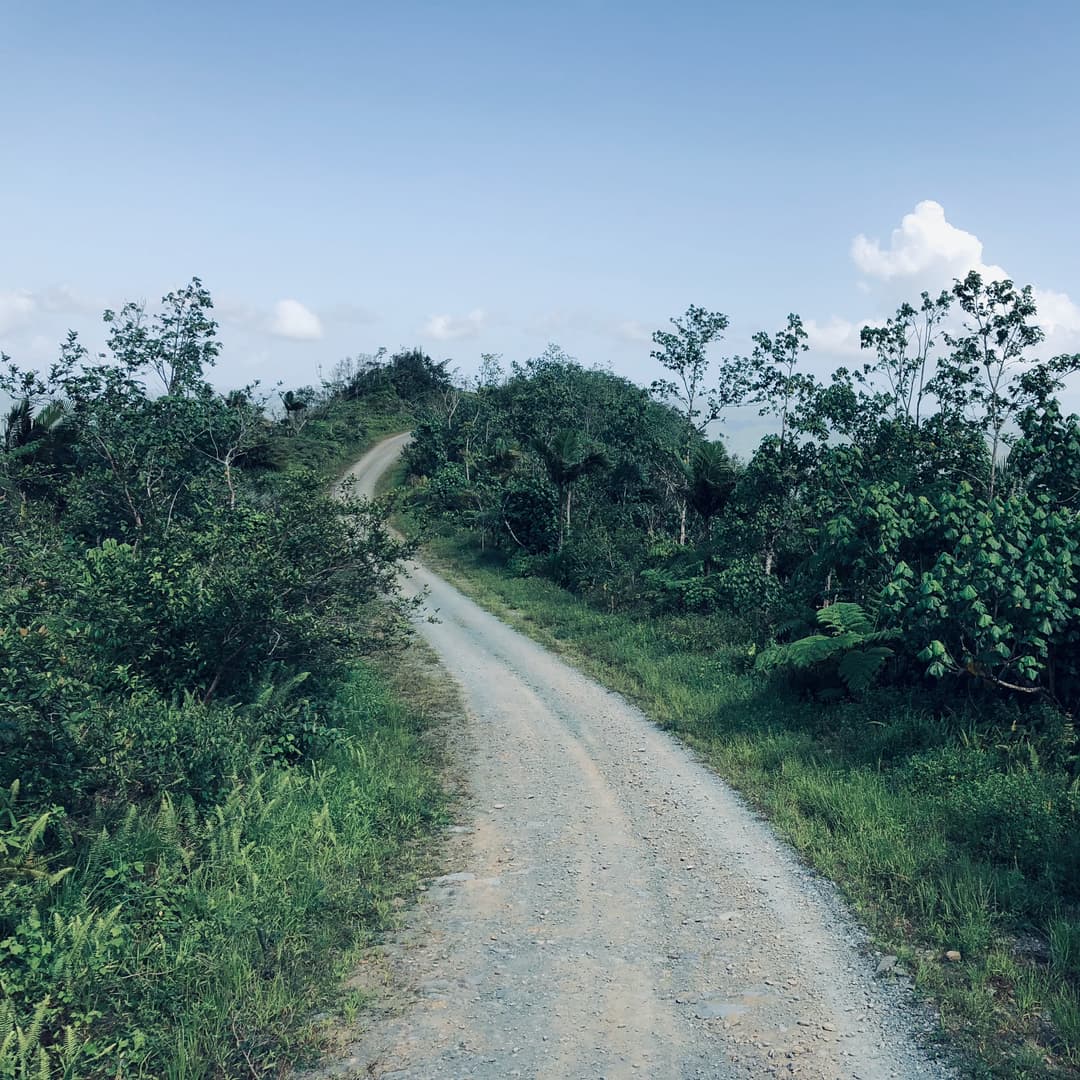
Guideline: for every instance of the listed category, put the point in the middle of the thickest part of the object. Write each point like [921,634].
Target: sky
[477,177]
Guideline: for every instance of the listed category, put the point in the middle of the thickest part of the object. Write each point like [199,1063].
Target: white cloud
[294,321]
[927,252]
[836,336]
[454,328]
[633,331]
[16,310]
[926,246]
[1058,315]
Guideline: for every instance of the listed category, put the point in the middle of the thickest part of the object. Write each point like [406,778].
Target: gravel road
[611,908]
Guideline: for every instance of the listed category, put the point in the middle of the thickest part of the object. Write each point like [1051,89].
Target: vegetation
[208,795]
[870,625]
[207,798]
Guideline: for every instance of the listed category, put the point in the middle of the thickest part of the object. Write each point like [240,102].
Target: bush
[173,937]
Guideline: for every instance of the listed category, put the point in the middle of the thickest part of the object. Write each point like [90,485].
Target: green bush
[186,938]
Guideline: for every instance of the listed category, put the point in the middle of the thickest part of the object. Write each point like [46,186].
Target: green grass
[942,839]
[338,435]
[190,945]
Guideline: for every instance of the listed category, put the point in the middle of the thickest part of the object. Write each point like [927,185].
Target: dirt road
[613,910]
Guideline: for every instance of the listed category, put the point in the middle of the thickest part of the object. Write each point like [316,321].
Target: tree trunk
[564,518]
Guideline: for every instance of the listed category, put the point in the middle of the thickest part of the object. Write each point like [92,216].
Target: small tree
[567,458]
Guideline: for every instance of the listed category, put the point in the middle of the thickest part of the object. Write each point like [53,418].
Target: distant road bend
[613,910]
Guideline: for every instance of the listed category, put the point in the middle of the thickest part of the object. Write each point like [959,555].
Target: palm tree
[31,440]
[295,409]
[23,430]
[567,458]
[710,480]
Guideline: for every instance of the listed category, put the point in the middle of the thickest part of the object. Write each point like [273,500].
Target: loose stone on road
[609,907]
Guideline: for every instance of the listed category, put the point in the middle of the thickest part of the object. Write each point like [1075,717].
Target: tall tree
[711,479]
[177,344]
[684,353]
[904,347]
[979,378]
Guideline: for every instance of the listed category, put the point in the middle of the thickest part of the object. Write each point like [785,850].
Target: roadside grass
[941,839]
[335,438]
[190,944]
[394,477]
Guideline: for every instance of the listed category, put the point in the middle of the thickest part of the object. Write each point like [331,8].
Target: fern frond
[843,617]
[859,666]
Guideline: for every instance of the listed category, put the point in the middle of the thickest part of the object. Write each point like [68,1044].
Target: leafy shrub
[851,646]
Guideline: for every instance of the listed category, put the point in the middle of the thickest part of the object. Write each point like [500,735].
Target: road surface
[612,908]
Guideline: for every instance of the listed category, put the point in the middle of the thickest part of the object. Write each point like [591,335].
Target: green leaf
[858,667]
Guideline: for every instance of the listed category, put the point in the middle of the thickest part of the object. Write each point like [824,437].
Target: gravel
[610,908]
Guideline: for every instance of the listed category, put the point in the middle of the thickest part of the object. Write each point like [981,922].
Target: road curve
[614,910]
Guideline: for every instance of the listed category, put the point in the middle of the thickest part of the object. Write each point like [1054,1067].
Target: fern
[845,618]
[32,1052]
[850,641]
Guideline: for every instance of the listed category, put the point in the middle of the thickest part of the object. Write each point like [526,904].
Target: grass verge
[190,944]
[942,839]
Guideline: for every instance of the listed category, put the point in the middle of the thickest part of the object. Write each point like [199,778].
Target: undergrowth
[191,943]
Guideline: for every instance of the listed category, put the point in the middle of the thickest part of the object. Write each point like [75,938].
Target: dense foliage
[182,605]
[935,486]
[871,622]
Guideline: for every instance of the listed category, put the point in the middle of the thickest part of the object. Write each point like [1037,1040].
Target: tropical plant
[850,643]
[568,457]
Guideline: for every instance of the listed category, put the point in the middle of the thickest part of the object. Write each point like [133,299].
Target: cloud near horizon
[20,307]
[453,327]
[17,308]
[294,321]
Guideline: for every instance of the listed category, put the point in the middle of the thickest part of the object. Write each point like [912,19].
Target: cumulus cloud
[1058,315]
[836,336]
[925,246]
[928,251]
[454,327]
[294,321]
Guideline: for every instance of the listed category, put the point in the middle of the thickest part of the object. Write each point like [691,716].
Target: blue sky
[477,177]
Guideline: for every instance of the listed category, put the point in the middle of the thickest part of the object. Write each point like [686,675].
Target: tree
[296,409]
[975,379]
[567,458]
[775,383]
[903,347]
[684,353]
[710,480]
[232,431]
[177,344]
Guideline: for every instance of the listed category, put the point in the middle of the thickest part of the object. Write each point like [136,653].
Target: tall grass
[944,837]
[192,944]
